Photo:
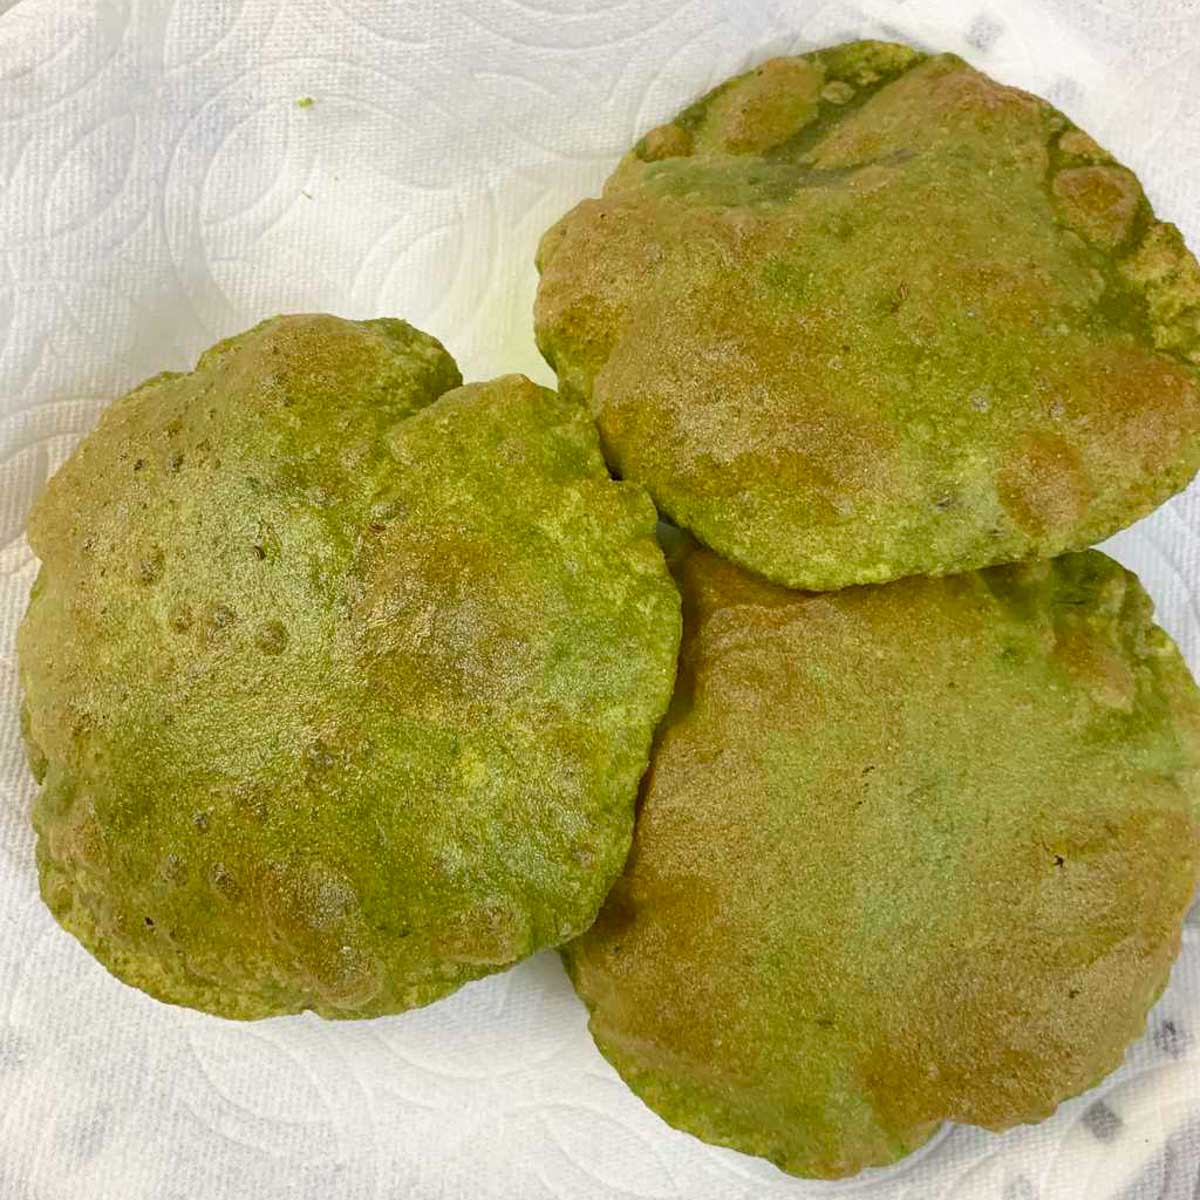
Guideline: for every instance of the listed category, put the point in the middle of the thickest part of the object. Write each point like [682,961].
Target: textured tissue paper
[164,181]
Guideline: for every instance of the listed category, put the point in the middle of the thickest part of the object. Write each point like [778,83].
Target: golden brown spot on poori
[1078,144]
[1098,202]
[667,141]
[773,102]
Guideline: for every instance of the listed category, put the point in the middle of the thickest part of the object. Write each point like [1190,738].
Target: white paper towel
[161,187]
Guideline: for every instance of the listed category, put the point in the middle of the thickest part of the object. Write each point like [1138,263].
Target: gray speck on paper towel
[12,1051]
[984,32]
[1102,1123]
[83,1138]
[1064,92]
[1019,1187]
[1171,1037]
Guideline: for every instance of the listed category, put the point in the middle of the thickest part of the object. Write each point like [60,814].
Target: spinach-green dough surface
[867,313]
[339,682]
[904,854]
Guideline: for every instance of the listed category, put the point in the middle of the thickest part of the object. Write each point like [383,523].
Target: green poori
[866,313]
[339,677]
[904,854]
